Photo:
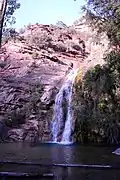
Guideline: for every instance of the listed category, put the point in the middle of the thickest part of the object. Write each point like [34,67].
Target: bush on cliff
[97,97]
[40,40]
[96,103]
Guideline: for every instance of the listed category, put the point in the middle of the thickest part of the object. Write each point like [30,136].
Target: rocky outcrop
[27,132]
[33,67]
[96,44]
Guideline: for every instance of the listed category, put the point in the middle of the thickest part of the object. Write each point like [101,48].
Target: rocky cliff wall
[33,66]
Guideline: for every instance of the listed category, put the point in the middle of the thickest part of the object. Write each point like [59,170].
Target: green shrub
[60,47]
[39,40]
[76,47]
[96,103]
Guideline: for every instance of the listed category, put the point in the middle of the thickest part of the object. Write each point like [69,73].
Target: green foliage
[96,103]
[12,6]
[113,62]
[104,15]
[76,47]
[9,34]
[9,19]
[100,79]
[97,98]
[39,40]
[59,46]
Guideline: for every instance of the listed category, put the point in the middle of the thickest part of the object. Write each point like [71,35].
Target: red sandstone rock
[23,64]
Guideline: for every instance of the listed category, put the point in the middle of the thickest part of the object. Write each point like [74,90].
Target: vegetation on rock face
[96,103]
[96,98]
[39,40]
[53,39]
[39,54]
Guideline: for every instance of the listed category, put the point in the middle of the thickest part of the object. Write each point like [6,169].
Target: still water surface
[59,154]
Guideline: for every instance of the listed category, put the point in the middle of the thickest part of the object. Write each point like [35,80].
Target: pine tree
[8,8]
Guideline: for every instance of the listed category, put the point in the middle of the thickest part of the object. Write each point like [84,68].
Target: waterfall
[62,119]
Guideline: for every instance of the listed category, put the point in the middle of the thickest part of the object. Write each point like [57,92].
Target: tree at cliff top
[105,15]
[8,8]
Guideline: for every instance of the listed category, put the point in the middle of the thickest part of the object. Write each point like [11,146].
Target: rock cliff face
[33,67]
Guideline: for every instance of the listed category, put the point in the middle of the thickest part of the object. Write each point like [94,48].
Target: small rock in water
[117,151]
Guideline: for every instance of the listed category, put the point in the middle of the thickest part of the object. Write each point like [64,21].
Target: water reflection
[71,154]
[61,154]
[69,158]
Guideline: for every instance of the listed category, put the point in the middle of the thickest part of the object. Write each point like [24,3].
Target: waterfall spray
[62,120]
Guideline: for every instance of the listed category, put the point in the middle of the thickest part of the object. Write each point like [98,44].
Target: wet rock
[52,63]
[49,95]
[15,134]
[31,131]
[3,131]
[27,132]
[117,151]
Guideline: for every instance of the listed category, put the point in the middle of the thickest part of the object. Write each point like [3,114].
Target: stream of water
[62,119]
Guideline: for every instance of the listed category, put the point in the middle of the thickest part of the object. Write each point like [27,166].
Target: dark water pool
[61,154]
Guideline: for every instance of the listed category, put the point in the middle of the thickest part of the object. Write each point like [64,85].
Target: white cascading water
[58,120]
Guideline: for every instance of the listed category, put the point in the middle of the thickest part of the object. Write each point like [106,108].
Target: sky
[47,12]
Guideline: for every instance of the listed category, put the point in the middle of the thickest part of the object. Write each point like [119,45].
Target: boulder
[31,131]
[15,134]
[49,95]
[117,151]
